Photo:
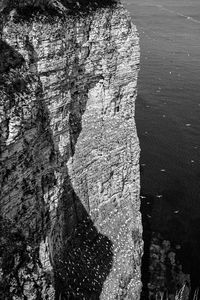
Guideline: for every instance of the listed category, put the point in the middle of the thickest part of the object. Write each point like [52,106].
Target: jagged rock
[167,279]
[70,158]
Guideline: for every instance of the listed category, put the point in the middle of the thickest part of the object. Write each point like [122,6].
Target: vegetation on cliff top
[52,7]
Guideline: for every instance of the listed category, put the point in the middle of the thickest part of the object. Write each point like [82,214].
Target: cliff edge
[70,225]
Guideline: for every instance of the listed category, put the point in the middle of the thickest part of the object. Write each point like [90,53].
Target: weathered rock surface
[69,210]
[167,278]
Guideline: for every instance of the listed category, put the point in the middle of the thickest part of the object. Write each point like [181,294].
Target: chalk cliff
[70,225]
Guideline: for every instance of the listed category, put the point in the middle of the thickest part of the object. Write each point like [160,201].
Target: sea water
[168,120]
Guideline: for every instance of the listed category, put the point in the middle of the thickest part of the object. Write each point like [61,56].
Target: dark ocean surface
[168,120]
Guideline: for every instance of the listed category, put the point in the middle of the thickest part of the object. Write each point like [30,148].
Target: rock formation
[70,226]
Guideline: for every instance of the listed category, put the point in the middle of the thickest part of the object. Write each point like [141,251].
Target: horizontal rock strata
[69,211]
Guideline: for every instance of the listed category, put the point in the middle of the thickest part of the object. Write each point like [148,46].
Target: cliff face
[69,210]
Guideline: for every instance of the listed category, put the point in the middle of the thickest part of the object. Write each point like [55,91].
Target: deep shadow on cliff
[85,259]
[9,58]
[80,255]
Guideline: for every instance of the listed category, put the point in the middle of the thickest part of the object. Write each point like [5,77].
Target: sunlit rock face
[69,211]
